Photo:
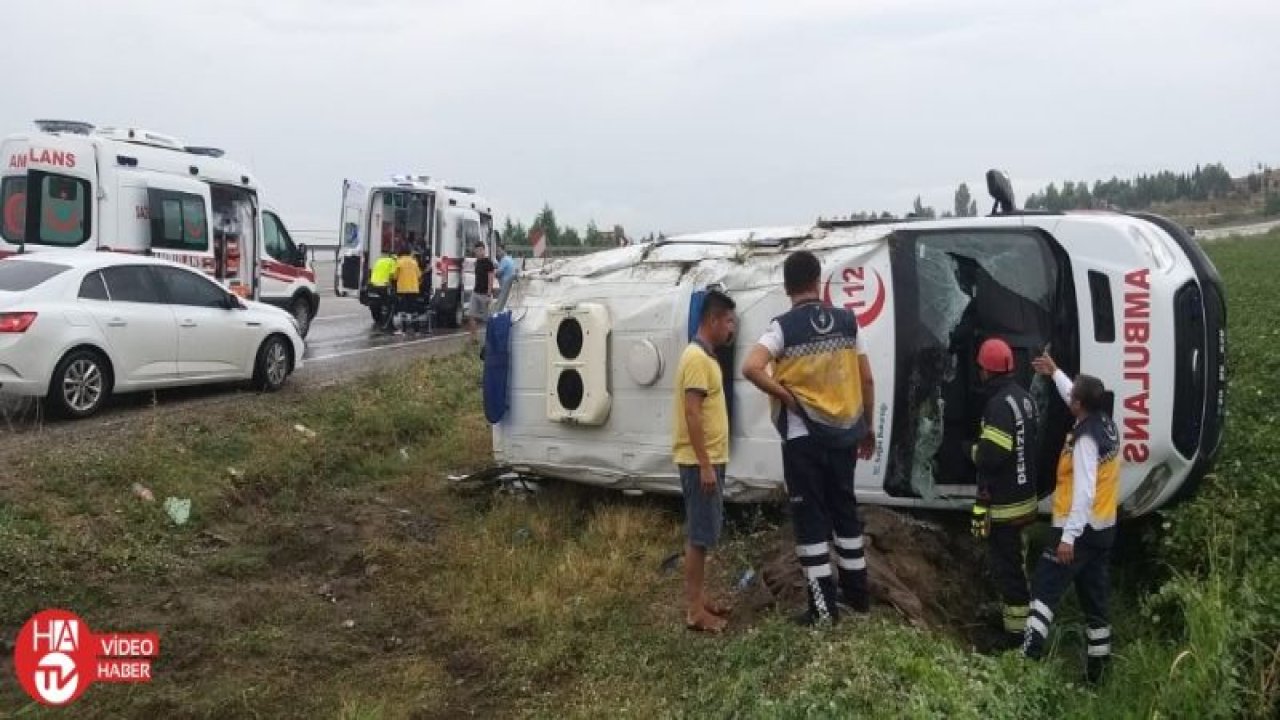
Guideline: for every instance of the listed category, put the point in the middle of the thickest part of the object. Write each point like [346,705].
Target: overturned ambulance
[580,387]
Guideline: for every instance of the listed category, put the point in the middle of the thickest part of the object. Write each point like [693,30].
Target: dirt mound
[927,568]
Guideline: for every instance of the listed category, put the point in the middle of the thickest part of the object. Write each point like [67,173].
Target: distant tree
[963,201]
[546,221]
[592,235]
[973,208]
[569,236]
[1084,198]
[1272,206]
[514,233]
[1052,199]
[920,210]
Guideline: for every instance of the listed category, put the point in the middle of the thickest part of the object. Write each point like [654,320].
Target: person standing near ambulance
[381,276]
[481,294]
[824,397]
[408,279]
[1005,457]
[1084,521]
[700,445]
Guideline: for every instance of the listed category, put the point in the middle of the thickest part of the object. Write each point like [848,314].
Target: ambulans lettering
[855,294]
[1137,365]
[45,156]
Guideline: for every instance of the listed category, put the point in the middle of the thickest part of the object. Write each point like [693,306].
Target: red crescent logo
[15,213]
[58,224]
[872,311]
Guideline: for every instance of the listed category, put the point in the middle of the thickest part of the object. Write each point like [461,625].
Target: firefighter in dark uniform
[1084,521]
[1005,456]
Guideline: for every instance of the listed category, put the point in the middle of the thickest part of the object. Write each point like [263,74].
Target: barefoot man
[701,450]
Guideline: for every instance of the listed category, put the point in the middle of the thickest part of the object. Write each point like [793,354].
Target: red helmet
[995,356]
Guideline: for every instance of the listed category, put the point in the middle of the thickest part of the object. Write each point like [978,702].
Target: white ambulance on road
[440,223]
[1132,299]
[72,186]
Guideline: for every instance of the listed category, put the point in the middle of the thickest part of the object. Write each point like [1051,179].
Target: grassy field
[344,576]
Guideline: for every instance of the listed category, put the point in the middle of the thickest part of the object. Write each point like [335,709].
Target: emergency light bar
[205,151]
[74,127]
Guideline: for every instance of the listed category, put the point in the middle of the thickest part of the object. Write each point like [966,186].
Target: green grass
[555,606]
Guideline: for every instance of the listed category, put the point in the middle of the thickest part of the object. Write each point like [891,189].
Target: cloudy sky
[659,114]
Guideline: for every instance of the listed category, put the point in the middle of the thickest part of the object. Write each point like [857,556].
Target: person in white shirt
[1084,519]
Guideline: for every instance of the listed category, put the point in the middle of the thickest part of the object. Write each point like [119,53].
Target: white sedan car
[76,327]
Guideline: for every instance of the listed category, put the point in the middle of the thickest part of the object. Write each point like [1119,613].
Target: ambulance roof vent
[74,127]
[212,152]
[462,189]
[143,137]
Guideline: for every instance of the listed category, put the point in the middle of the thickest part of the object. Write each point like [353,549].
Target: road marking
[362,351]
[336,317]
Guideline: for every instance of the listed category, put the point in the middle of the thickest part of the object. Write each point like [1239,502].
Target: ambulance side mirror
[300,259]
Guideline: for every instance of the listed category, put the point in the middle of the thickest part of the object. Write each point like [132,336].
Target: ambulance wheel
[300,309]
[273,364]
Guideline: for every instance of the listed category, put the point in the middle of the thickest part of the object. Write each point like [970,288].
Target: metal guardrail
[314,251]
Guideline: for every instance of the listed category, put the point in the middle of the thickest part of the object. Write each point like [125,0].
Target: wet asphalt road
[342,331]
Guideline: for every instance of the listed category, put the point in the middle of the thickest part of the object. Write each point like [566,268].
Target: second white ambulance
[70,185]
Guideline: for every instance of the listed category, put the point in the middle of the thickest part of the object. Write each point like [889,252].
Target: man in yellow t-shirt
[701,449]
[408,282]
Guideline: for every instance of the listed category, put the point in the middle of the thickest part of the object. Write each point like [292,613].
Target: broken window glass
[958,289]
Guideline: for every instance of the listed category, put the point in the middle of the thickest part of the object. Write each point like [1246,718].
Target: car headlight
[1143,499]
[1162,258]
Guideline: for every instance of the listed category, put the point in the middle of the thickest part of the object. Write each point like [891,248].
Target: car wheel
[271,368]
[81,384]
[301,311]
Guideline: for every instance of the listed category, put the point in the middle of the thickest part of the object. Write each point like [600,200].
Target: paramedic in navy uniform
[823,395]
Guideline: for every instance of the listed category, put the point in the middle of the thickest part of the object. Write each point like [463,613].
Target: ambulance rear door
[60,191]
[354,236]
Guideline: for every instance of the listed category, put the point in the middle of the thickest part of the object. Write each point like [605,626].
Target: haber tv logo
[58,657]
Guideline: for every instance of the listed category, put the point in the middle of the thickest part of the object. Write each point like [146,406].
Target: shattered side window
[967,287]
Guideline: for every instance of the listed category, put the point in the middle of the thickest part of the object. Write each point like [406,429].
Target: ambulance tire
[300,309]
[273,364]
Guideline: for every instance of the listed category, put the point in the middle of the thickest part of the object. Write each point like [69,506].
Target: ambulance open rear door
[353,232]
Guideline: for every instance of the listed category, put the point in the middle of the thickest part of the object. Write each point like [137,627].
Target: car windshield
[956,289]
[22,275]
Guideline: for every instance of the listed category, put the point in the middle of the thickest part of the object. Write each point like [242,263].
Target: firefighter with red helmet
[1005,457]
